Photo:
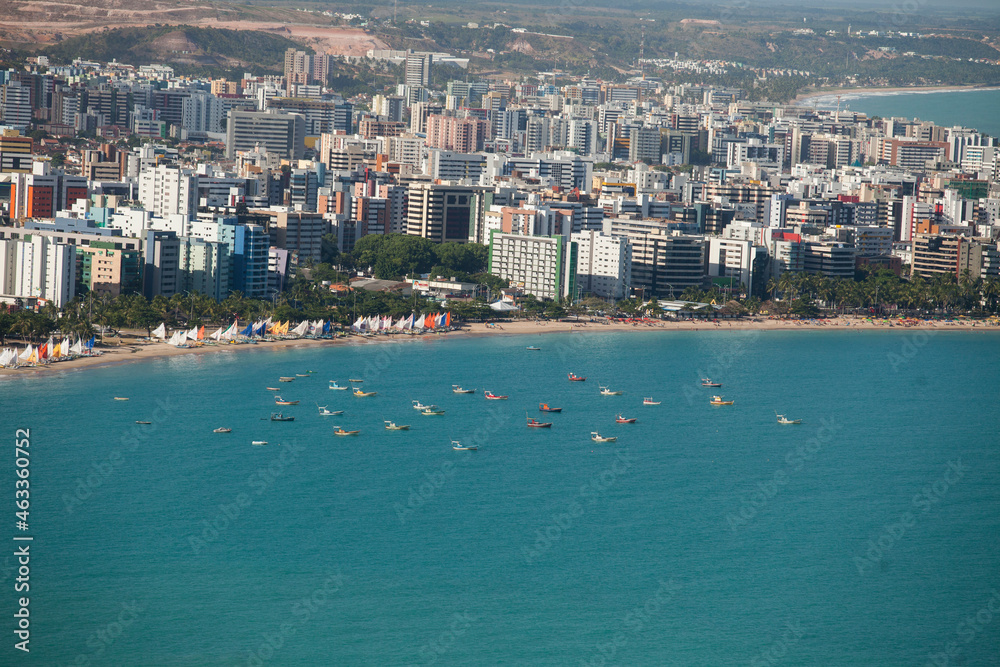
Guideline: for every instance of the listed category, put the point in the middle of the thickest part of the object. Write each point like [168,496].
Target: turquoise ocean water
[968,108]
[704,536]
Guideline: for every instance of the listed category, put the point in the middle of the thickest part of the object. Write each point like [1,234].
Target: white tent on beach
[503,306]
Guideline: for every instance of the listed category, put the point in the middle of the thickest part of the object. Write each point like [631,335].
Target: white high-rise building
[603,264]
[544,266]
[169,190]
[39,268]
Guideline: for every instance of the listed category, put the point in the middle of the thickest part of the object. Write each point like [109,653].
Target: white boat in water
[607,392]
[334,385]
[650,401]
[323,412]
[783,420]
[259,442]
[458,447]
[417,405]
[597,437]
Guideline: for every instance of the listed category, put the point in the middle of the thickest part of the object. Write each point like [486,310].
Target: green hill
[184,46]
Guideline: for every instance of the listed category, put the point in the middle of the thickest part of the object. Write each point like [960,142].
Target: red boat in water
[576,378]
[624,420]
[544,407]
[532,423]
[493,397]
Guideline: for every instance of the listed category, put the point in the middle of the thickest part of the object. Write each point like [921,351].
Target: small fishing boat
[417,405]
[717,400]
[259,442]
[533,348]
[222,430]
[432,410]
[544,407]
[340,431]
[392,426]
[323,412]
[278,400]
[272,388]
[783,420]
[120,398]
[458,390]
[278,417]
[576,378]
[138,422]
[607,392]
[286,379]
[494,397]
[534,423]
[705,382]
[457,446]
[355,380]
[597,437]
[624,420]
[650,401]
[358,392]
[334,385]
[302,375]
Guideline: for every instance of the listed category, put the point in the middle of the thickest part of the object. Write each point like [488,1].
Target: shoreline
[802,98]
[137,352]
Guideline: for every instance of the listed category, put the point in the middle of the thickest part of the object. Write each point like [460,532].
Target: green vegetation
[392,256]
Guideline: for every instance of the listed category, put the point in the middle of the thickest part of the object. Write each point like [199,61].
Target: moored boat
[259,442]
[359,392]
[272,388]
[340,431]
[717,400]
[392,426]
[597,437]
[278,417]
[138,422]
[458,447]
[576,378]
[334,385]
[355,380]
[302,375]
[783,420]
[120,398]
[417,405]
[286,379]
[222,429]
[278,400]
[323,412]
[544,407]
[432,410]
[607,392]
[489,395]
[534,423]
[624,420]
[650,401]
[457,389]
[533,348]
[705,382]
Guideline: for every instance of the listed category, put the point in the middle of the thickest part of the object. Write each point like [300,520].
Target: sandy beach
[802,98]
[134,348]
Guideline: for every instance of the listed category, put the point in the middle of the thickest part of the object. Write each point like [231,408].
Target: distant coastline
[135,352]
[803,98]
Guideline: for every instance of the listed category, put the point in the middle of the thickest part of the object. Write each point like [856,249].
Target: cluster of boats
[434,410]
[719,400]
